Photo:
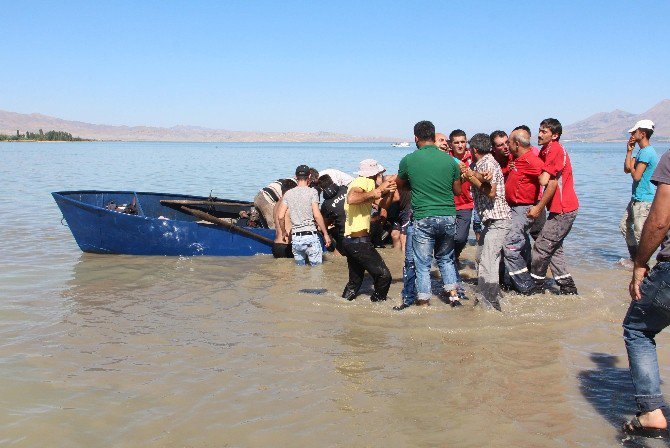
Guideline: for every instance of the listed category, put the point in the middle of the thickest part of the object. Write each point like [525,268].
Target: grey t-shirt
[662,176]
[299,201]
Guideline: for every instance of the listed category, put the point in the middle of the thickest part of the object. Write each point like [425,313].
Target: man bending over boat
[302,204]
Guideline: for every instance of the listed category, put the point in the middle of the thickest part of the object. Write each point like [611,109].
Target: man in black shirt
[332,209]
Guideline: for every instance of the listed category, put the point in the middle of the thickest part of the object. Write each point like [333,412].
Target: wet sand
[153,351]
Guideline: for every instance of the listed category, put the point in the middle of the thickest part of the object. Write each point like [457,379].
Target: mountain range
[600,127]
[613,126]
[10,122]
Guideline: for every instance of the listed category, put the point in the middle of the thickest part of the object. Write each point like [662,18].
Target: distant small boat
[400,145]
[137,223]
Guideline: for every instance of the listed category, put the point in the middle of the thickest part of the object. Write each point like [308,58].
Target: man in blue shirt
[640,168]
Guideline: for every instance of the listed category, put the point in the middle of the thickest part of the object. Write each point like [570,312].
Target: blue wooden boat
[139,223]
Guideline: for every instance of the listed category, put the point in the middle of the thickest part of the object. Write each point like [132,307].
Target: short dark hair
[647,132]
[425,131]
[457,133]
[481,143]
[496,134]
[314,174]
[524,127]
[553,125]
[325,181]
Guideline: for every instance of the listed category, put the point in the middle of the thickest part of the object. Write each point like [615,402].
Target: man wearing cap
[560,196]
[434,178]
[359,250]
[649,311]
[302,204]
[640,169]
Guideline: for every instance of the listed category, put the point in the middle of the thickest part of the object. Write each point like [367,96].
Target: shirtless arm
[281,218]
[318,217]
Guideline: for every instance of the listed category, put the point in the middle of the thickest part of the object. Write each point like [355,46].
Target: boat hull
[99,230]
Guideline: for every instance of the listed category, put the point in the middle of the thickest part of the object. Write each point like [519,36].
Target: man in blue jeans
[649,312]
[434,178]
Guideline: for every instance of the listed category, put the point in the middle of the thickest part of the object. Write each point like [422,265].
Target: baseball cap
[644,124]
[302,171]
[369,168]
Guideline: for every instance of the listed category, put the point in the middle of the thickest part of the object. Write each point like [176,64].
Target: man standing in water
[302,204]
[649,311]
[640,169]
[560,194]
[358,248]
[464,201]
[522,188]
[434,178]
[489,195]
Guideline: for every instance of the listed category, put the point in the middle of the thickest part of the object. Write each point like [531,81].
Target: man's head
[480,144]
[500,144]
[313,177]
[525,128]
[370,168]
[550,131]
[458,142]
[643,129]
[302,173]
[424,133]
[519,142]
[327,186]
[442,142]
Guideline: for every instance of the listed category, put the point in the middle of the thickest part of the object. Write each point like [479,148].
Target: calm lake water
[169,352]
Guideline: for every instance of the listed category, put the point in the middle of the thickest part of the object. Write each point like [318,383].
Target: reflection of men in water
[489,194]
[560,194]
[640,169]
[522,188]
[358,248]
[649,312]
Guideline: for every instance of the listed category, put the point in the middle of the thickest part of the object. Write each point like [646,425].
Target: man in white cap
[361,254]
[640,169]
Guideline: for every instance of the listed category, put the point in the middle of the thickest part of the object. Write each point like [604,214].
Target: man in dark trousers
[649,311]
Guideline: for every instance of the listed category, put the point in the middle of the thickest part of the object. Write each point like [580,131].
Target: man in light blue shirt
[640,167]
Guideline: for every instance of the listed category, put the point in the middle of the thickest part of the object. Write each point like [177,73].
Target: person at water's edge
[640,169]
[302,204]
[649,311]
[433,178]
[359,250]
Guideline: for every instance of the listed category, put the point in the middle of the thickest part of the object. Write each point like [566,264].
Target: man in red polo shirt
[500,151]
[560,194]
[522,188]
[458,144]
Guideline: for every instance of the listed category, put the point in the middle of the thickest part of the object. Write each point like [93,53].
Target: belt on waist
[311,232]
[271,193]
[514,204]
[360,239]
[663,259]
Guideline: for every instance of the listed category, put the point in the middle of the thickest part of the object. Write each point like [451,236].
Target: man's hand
[639,273]
[284,237]
[534,212]
[487,176]
[631,144]
[326,239]
[511,165]
[388,186]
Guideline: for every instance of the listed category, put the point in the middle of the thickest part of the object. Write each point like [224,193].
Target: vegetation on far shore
[41,136]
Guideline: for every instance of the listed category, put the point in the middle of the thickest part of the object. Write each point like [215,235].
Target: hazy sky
[359,67]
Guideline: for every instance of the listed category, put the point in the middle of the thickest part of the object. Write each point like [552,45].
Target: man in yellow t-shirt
[358,248]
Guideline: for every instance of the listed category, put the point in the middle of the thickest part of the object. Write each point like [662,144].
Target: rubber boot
[567,286]
[349,293]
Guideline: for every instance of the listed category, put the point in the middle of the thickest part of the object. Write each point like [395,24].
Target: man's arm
[481,181]
[357,195]
[456,187]
[535,210]
[629,161]
[319,222]
[638,170]
[281,217]
[655,228]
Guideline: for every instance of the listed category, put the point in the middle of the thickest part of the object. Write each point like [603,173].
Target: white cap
[644,124]
[369,168]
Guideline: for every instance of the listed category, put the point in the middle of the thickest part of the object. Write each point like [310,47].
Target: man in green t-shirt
[434,178]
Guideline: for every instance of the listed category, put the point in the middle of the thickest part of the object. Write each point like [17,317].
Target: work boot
[567,286]
[376,297]
[349,293]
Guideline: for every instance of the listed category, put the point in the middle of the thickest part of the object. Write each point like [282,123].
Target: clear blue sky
[356,67]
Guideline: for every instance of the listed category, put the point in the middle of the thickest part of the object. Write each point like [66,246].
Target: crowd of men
[512,193]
